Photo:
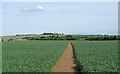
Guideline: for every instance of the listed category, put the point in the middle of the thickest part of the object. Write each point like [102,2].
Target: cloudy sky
[63,17]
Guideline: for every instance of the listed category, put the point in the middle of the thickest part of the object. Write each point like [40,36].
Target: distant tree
[17,35]
[42,37]
[68,35]
[105,37]
[47,34]
[57,36]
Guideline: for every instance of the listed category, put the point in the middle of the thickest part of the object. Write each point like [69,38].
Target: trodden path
[67,62]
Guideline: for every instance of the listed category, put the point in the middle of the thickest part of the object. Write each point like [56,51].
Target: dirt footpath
[67,62]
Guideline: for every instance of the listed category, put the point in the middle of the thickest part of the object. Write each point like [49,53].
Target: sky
[61,17]
[59,0]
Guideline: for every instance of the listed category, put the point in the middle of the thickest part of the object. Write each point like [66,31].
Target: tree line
[104,37]
[52,37]
[71,37]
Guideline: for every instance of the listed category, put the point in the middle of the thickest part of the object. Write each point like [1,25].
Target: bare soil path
[67,62]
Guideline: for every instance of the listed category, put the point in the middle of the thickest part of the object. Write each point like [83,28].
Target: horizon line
[59,33]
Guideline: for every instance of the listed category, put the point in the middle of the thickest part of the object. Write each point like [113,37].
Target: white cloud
[40,8]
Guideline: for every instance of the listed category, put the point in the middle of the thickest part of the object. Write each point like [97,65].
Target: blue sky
[61,17]
[59,0]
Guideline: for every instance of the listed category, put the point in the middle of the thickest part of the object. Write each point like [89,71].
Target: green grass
[97,56]
[31,56]
[0,57]
[41,56]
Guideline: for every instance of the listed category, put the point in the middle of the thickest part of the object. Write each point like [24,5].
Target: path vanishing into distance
[67,61]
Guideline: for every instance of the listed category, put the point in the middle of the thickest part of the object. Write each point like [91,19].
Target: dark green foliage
[51,34]
[17,35]
[42,37]
[97,56]
[10,39]
[65,37]
[104,37]
[47,34]
[52,37]
[68,36]
[31,56]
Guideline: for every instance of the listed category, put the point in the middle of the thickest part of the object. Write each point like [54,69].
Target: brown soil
[67,62]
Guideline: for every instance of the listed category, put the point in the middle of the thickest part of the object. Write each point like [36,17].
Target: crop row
[97,56]
[31,56]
